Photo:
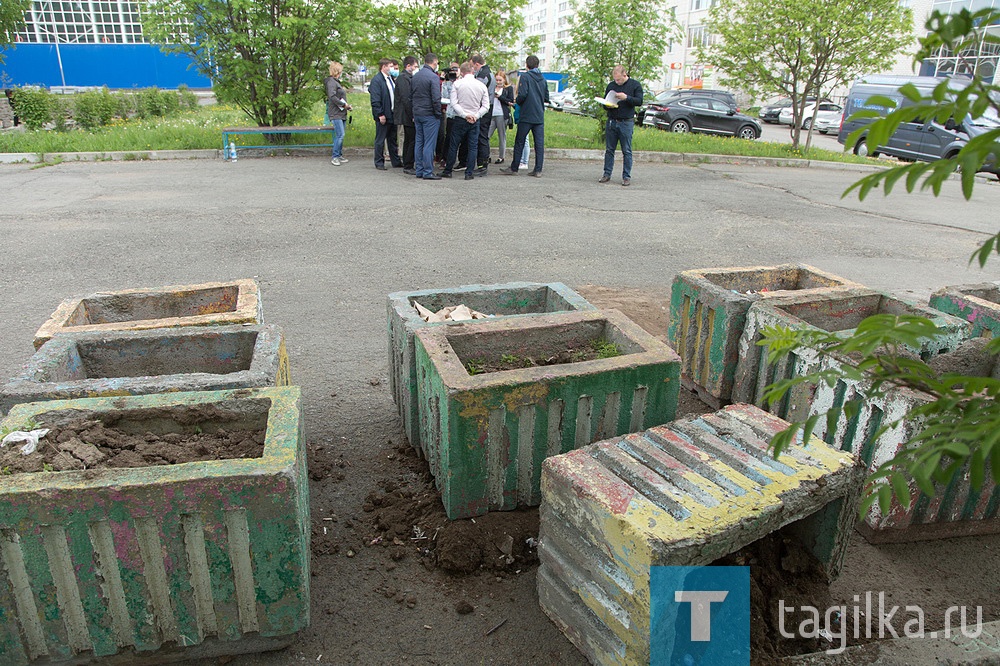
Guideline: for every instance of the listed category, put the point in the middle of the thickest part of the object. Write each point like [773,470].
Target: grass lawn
[202,129]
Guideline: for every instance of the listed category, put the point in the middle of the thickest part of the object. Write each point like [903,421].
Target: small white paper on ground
[29,438]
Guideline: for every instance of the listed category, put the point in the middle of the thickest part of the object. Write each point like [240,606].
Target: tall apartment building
[550,21]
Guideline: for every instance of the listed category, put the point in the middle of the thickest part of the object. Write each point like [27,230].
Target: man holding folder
[627,92]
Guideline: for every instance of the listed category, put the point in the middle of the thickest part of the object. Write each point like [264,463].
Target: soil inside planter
[94,442]
[573,353]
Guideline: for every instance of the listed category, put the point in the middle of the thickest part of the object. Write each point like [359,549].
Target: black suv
[670,95]
[701,113]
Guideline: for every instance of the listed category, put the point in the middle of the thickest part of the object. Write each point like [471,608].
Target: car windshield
[988,119]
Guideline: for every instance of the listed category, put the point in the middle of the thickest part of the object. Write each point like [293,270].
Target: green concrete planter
[513,299]
[158,563]
[486,435]
[708,309]
[163,360]
[978,304]
[208,304]
[836,313]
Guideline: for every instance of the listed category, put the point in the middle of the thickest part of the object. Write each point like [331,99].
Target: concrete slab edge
[551,153]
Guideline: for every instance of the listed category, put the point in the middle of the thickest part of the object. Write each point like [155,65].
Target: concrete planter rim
[279,455]
[453,372]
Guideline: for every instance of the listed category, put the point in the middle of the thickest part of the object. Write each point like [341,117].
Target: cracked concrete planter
[208,304]
[836,313]
[683,494]
[708,310]
[513,299]
[978,304]
[154,564]
[487,434]
[90,365]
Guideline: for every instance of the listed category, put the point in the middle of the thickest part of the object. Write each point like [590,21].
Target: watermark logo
[872,617]
[699,615]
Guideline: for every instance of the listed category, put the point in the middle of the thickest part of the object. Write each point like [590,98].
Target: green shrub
[63,108]
[155,103]
[128,104]
[95,108]
[33,106]
[189,101]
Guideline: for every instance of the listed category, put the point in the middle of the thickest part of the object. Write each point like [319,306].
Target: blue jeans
[538,138]
[423,153]
[338,137]
[618,131]
[460,129]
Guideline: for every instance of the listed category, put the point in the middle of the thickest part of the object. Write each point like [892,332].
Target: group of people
[448,116]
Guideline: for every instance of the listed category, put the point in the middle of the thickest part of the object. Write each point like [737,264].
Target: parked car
[770,112]
[669,95]
[919,140]
[828,122]
[556,98]
[569,103]
[701,113]
[826,110]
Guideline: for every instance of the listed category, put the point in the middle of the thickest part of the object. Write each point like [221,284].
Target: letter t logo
[701,611]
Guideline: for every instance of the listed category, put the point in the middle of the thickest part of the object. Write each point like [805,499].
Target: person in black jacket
[621,122]
[532,96]
[382,90]
[402,112]
[425,98]
[483,73]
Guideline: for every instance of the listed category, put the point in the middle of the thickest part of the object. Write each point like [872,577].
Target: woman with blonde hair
[336,110]
[501,113]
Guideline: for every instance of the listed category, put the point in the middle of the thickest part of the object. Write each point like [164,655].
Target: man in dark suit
[382,90]
[425,95]
[402,112]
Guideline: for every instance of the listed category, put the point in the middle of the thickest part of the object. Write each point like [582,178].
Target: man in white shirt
[470,101]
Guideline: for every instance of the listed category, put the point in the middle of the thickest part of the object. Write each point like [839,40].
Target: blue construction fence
[111,65]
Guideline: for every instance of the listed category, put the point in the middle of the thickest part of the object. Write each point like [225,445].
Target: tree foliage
[267,58]
[605,33]
[11,18]
[803,48]
[959,423]
[455,30]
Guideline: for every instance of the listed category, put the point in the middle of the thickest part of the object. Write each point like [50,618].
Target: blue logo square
[699,616]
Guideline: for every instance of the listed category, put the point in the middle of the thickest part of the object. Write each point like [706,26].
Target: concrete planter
[686,493]
[836,313]
[514,299]
[162,563]
[487,434]
[955,510]
[90,365]
[708,309]
[208,304]
[978,304]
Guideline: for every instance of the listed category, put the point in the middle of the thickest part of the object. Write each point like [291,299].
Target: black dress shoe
[410,172]
[460,166]
[604,179]
[536,174]
[432,177]
[508,172]
[445,174]
[381,167]
[469,177]
[397,166]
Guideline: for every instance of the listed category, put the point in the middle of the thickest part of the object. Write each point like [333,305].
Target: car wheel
[747,132]
[680,126]
[807,123]
[861,149]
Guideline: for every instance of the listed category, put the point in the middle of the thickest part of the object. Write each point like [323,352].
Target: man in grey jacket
[532,96]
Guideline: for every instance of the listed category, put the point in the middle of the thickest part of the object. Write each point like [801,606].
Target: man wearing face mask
[485,76]
[402,112]
[382,90]
[425,96]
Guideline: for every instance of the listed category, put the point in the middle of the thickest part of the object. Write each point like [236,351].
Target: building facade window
[76,22]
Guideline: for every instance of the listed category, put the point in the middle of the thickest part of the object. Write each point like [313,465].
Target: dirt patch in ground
[92,444]
[409,519]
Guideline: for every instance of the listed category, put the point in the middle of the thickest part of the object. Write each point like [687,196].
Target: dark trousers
[484,139]
[618,132]
[537,139]
[386,134]
[427,133]
[461,130]
[409,139]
